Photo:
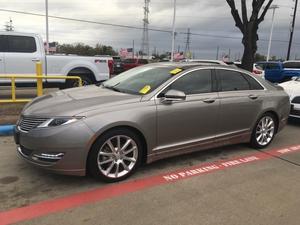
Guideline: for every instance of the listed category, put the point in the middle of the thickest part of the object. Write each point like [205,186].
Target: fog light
[49,157]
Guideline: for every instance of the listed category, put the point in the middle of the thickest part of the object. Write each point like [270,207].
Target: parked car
[118,65]
[293,89]
[147,114]
[19,53]
[131,63]
[280,71]
[208,61]
[258,70]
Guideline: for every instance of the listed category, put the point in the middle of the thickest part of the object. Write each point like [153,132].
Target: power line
[132,27]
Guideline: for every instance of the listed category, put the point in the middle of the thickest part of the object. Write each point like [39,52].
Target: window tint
[21,44]
[129,61]
[3,45]
[253,83]
[292,65]
[194,83]
[232,81]
[272,66]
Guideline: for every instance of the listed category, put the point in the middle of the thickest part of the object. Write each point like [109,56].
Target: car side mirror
[173,95]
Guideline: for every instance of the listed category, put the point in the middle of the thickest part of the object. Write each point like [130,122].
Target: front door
[192,120]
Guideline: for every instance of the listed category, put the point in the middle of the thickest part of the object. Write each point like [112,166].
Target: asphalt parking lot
[264,191]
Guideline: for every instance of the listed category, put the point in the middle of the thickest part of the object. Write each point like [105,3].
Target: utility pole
[292,30]
[47,27]
[187,44]
[218,50]
[173,32]
[145,39]
[133,49]
[274,7]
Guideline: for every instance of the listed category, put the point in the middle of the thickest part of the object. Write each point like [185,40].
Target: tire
[108,162]
[264,131]
[86,80]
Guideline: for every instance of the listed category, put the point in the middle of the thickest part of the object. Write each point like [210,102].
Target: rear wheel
[115,155]
[264,131]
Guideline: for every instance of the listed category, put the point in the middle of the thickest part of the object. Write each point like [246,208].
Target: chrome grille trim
[28,123]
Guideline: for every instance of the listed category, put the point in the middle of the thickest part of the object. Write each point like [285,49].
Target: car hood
[75,101]
[292,88]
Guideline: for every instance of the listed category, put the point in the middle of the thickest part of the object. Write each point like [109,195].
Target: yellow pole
[13,89]
[39,79]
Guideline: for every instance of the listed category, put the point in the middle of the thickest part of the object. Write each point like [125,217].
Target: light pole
[274,7]
[173,32]
[47,28]
[292,30]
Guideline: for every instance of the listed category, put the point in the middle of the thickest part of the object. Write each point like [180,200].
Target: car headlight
[54,122]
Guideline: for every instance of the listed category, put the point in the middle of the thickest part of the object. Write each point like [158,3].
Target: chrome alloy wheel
[117,156]
[265,130]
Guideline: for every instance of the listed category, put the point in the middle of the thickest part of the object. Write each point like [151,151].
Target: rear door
[21,56]
[240,101]
[191,120]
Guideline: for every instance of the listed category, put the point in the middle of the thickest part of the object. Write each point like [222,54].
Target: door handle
[209,100]
[253,97]
[35,60]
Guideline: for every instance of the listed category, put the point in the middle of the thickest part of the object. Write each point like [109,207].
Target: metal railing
[39,83]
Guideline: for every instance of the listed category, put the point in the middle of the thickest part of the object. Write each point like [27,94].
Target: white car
[293,89]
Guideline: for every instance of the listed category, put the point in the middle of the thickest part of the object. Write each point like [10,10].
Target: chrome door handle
[35,60]
[253,97]
[209,100]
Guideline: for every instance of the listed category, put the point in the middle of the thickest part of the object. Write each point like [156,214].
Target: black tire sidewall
[92,165]
[70,83]
[254,143]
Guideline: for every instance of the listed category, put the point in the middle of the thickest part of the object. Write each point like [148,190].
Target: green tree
[85,50]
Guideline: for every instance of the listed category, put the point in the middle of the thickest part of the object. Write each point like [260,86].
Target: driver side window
[196,82]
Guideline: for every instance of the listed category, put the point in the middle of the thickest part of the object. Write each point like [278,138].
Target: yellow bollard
[39,79]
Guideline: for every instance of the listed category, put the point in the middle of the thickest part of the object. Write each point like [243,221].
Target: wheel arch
[128,127]
[81,70]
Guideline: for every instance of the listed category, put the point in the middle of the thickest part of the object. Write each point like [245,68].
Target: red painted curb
[110,191]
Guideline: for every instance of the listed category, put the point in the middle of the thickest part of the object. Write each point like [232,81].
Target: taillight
[111,66]
[257,72]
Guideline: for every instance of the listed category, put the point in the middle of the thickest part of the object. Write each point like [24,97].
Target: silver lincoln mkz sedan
[146,114]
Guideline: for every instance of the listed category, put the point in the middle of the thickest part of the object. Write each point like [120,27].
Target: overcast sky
[201,16]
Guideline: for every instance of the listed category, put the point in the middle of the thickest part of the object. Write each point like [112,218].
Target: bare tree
[249,27]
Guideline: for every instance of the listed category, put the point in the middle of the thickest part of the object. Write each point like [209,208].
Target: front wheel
[264,131]
[115,155]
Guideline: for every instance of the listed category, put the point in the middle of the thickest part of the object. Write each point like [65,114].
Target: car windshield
[141,80]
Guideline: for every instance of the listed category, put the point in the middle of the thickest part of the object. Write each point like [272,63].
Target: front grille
[295,112]
[296,100]
[28,123]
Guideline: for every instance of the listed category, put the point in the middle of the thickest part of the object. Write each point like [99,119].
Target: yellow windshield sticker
[145,89]
[175,71]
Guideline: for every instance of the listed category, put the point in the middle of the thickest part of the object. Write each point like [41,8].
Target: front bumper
[295,110]
[61,149]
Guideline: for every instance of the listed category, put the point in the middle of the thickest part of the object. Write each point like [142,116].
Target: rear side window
[22,44]
[272,66]
[232,81]
[253,83]
[292,65]
[196,82]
